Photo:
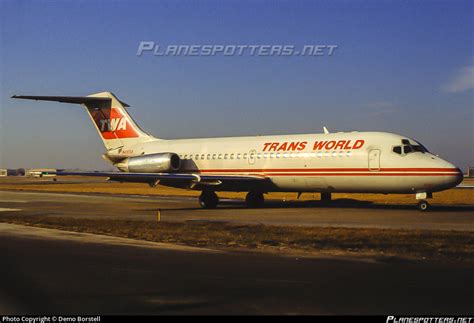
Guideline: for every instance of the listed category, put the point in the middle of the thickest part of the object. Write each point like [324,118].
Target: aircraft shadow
[334,204]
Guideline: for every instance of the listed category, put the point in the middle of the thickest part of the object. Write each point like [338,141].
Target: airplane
[345,162]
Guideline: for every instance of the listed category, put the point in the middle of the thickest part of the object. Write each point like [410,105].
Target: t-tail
[109,115]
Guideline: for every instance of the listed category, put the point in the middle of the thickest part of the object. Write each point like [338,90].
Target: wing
[184,180]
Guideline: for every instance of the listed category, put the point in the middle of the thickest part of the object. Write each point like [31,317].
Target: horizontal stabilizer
[109,115]
[68,99]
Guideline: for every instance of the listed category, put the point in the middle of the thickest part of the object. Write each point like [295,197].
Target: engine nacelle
[152,163]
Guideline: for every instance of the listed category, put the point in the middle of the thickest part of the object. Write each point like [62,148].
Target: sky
[400,66]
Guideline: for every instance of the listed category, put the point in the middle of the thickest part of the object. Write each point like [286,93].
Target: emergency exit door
[374,159]
[252,155]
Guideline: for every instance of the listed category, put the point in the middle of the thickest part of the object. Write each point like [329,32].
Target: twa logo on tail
[113,123]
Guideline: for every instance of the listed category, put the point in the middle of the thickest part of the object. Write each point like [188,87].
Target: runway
[350,214]
[50,272]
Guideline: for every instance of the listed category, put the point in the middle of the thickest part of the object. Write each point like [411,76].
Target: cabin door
[374,159]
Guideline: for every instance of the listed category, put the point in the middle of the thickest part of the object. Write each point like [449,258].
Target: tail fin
[113,123]
[115,126]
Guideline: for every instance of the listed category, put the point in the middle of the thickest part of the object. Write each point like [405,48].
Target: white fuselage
[336,162]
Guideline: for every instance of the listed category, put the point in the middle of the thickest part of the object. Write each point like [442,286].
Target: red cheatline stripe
[350,174]
[327,170]
[359,174]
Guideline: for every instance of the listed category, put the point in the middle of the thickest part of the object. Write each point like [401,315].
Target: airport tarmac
[351,214]
[47,271]
[53,271]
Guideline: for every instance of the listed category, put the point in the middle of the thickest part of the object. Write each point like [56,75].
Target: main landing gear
[326,197]
[254,199]
[423,204]
[208,199]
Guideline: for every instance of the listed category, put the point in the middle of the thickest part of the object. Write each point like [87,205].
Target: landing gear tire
[326,197]
[254,199]
[423,205]
[208,200]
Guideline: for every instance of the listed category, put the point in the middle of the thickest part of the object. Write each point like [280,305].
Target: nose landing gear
[423,205]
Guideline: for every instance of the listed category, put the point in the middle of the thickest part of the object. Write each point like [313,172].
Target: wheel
[254,199]
[208,199]
[326,197]
[423,205]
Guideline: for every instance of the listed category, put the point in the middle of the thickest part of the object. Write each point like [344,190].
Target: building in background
[40,172]
[470,171]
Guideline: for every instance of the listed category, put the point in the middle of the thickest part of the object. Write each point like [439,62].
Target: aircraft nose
[459,177]
[454,174]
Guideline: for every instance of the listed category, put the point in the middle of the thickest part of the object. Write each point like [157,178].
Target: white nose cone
[453,175]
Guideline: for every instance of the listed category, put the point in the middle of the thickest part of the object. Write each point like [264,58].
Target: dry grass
[435,245]
[453,196]
[432,245]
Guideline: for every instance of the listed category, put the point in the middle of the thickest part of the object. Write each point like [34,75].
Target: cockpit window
[411,147]
[397,150]
[407,149]
[418,148]
[425,150]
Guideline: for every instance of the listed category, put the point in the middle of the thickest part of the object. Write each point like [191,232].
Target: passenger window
[231,156]
[213,156]
[203,156]
[397,150]
[271,155]
[277,155]
[238,156]
[245,156]
[208,156]
[197,157]
[220,156]
[226,156]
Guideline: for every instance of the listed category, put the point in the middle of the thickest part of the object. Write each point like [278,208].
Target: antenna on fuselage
[326,131]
